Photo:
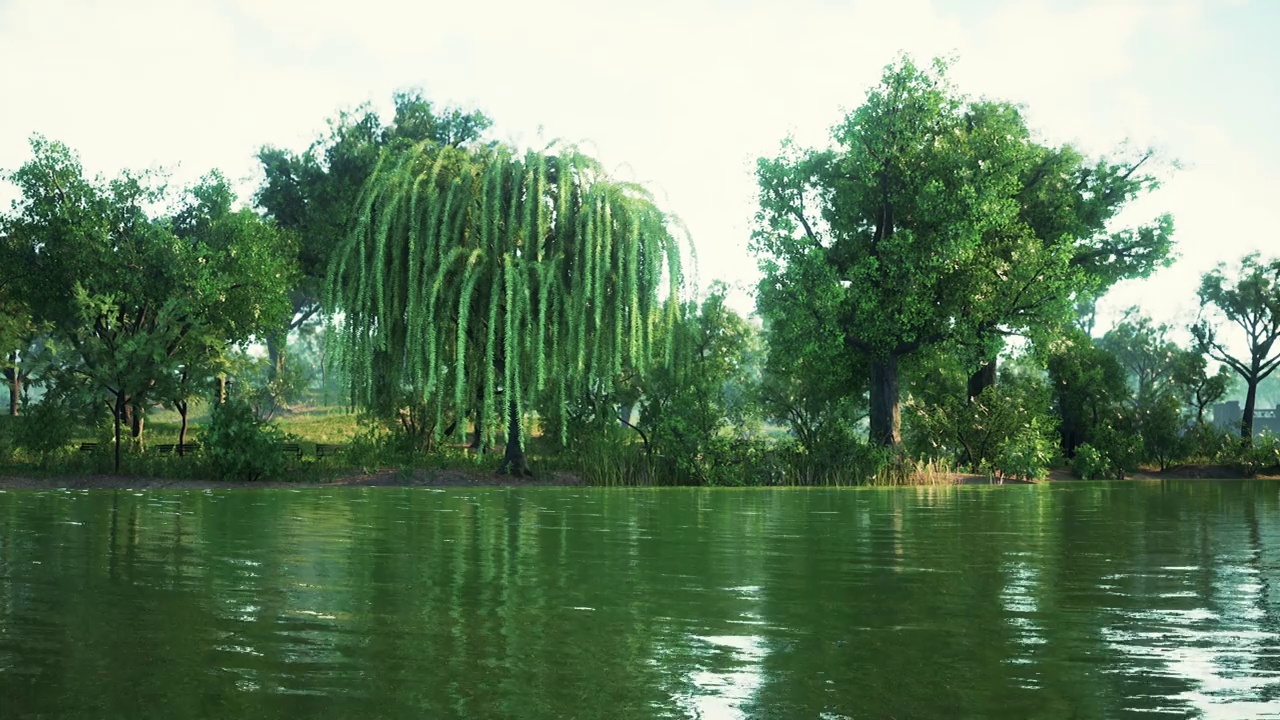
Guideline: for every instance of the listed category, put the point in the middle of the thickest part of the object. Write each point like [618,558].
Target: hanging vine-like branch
[484,282]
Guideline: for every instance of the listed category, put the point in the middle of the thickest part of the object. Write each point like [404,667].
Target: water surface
[1089,600]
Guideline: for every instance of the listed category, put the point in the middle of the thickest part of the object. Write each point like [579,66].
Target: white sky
[682,96]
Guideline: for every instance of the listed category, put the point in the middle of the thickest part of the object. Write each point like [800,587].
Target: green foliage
[1006,430]
[1028,453]
[1089,386]
[1164,431]
[480,283]
[684,403]
[1262,455]
[937,219]
[1090,463]
[240,446]
[1209,443]
[46,428]
[1120,445]
[143,299]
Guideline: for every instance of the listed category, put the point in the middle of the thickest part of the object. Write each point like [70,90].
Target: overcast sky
[682,96]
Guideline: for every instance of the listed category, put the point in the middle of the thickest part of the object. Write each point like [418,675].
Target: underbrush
[287,450]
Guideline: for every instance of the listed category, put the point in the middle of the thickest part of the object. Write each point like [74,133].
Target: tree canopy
[1248,298]
[935,219]
[132,292]
[492,280]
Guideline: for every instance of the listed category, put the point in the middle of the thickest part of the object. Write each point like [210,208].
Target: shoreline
[458,478]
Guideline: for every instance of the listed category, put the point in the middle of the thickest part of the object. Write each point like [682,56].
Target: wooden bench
[328,450]
[181,449]
[89,447]
[293,449]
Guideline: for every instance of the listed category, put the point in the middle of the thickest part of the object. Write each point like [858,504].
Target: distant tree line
[929,280]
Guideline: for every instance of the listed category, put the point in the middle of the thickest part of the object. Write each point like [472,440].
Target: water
[1087,600]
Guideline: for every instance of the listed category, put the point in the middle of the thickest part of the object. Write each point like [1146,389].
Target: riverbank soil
[383,478]
[480,478]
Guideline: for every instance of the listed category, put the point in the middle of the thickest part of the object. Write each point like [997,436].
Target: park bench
[182,449]
[89,447]
[293,449]
[328,450]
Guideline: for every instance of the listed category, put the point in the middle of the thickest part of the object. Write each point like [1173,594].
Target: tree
[1064,251]
[1150,359]
[1201,389]
[686,400]
[809,382]
[314,194]
[1250,298]
[20,340]
[248,256]
[938,220]
[1089,386]
[478,274]
[116,283]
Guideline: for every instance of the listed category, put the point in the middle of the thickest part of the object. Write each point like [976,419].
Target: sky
[682,96]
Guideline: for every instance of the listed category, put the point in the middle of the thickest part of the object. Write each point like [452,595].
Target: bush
[240,446]
[1207,443]
[45,427]
[1263,454]
[1027,453]
[1121,447]
[1006,429]
[1165,438]
[1090,463]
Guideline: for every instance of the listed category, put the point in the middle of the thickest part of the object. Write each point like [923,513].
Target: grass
[617,460]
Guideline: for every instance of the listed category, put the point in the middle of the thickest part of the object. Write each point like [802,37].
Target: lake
[1068,600]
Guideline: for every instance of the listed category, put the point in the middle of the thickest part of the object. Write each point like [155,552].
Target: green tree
[687,401]
[1249,298]
[482,274]
[128,295]
[937,220]
[21,339]
[314,194]
[1149,358]
[1065,251]
[1201,388]
[1089,387]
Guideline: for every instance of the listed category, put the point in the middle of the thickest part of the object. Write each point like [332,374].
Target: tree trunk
[983,378]
[15,385]
[886,415]
[119,415]
[277,343]
[477,437]
[136,422]
[220,389]
[513,460]
[182,430]
[1250,400]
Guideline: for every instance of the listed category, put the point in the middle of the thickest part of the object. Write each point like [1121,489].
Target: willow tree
[489,283]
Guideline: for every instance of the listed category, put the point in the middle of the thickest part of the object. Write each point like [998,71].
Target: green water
[1064,601]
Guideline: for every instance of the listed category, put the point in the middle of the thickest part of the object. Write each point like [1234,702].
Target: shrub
[1027,453]
[1263,454]
[1090,463]
[240,446]
[1208,443]
[1120,446]
[1006,429]
[45,427]
[1164,432]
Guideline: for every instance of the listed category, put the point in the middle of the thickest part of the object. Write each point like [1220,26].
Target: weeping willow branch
[482,277]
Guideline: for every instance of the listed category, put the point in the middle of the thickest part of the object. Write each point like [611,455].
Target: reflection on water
[1076,601]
